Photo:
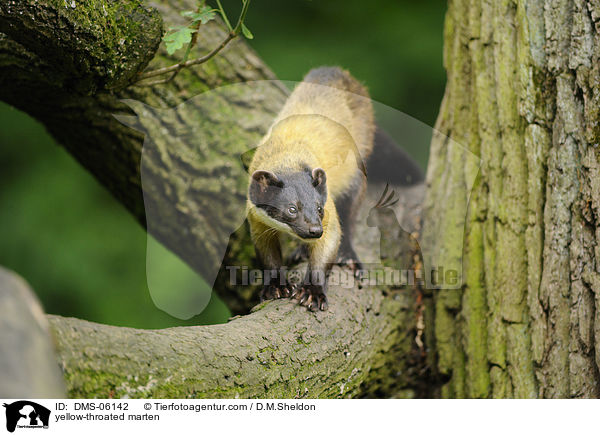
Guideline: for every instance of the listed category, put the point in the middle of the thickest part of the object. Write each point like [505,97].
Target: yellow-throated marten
[307,176]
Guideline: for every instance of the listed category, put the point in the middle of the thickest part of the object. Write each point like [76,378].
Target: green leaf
[204,14]
[246,31]
[188,14]
[178,39]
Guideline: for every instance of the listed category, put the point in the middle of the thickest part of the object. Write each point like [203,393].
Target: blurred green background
[82,252]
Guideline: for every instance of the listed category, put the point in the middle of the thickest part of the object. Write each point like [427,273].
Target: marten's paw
[274,292]
[347,257]
[311,297]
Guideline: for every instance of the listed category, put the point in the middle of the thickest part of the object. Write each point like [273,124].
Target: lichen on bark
[524,94]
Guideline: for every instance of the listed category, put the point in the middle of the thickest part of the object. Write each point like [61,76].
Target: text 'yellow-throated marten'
[307,178]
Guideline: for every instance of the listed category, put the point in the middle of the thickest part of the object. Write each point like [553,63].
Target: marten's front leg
[268,252]
[312,293]
[321,255]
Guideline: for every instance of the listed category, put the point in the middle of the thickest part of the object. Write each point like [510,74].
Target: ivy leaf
[178,39]
[246,31]
[204,14]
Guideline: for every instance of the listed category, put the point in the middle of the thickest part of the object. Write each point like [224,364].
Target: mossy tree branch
[71,64]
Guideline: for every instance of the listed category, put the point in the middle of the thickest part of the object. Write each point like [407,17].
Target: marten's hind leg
[347,207]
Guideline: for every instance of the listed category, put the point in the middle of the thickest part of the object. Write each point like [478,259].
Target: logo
[26,414]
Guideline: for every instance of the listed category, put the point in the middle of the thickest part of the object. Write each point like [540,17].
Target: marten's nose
[315,231]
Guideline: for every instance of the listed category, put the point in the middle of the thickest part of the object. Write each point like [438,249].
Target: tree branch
[71,79]
[364,345]
[361,346]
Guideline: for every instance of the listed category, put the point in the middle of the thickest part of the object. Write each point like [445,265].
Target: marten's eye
[320,209]
[292,210]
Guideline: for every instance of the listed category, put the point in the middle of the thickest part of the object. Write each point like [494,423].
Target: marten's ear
[266,178]
[264,187]
[318,177]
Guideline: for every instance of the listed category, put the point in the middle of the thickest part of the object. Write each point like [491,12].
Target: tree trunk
[523,95]
[70,65]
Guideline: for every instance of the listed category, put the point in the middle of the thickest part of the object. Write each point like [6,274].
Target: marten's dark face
[293,202]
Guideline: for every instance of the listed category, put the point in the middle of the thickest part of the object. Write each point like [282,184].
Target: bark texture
[279,351]
[70,65]
[523,94]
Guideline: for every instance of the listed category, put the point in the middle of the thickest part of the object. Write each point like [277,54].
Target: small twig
[177,67]
[238,26]
[174,69]
[187,52]
[224,15]
[168,69]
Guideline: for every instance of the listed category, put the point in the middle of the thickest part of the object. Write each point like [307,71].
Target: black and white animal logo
[26,414]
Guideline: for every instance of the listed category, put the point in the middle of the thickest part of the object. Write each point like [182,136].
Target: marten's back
[326,122]
[333,93]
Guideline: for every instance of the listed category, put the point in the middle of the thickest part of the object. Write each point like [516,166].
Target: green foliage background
[81,251]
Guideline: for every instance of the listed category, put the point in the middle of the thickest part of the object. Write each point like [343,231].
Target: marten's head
[293,202]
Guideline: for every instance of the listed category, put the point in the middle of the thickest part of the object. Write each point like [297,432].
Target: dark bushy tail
[389,163]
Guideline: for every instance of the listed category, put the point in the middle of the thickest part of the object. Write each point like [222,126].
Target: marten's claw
[300,294]
[351,261]
[306,299]
[266,293]
[273,292]
[319,302]
[285,292]
[295,292]
[312,298]
[355,266]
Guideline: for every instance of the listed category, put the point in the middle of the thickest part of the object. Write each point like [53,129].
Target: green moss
[107,42]
[475,306]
